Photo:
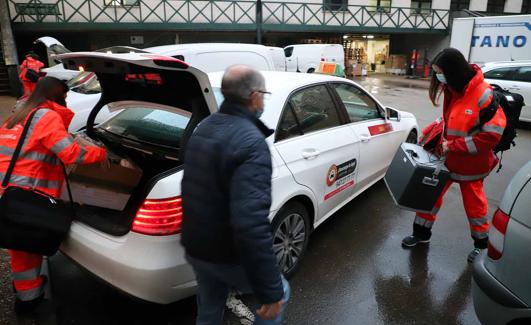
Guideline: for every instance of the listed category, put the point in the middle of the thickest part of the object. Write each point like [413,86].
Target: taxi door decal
[380,129]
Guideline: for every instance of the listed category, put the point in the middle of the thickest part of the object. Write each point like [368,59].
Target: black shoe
[412,241]
[26,307]
[473,254]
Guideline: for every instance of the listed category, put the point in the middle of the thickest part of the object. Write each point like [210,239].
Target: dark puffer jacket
[226,193]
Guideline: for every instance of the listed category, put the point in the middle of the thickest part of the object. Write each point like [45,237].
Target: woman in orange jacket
[468,148]
[47,145]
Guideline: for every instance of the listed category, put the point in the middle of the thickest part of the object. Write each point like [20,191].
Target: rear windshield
[149,125]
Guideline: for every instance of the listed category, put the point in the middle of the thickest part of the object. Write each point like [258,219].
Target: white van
[307,57]
[279,59]
[212,57]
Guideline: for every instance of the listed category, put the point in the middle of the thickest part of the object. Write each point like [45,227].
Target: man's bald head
[239,81]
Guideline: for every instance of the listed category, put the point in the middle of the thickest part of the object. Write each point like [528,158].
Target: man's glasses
[266,94]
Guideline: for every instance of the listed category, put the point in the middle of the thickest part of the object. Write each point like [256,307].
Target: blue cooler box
[416,178]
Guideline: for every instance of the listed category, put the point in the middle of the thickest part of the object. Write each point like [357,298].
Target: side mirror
[392,114]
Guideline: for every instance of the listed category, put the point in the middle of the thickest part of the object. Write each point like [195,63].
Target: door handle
[514,88]
[310,154]
[365,138]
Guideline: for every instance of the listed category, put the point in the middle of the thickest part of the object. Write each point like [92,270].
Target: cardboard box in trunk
[104,186]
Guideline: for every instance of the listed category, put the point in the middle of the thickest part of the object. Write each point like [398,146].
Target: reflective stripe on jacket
[470,155]
[29,63]
[46,145]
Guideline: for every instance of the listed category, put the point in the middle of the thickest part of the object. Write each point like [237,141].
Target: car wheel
[412,137]
[311,70]
[291,231]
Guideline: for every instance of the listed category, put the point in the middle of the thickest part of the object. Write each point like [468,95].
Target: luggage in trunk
[416,178]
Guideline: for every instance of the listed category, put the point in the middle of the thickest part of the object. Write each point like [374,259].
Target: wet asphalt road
[354,272]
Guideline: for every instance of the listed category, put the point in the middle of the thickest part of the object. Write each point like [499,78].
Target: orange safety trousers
[476,207]
[27,278]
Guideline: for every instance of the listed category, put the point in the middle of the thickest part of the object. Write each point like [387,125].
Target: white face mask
[441,78]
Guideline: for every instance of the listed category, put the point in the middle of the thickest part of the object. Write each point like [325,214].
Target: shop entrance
[365,53]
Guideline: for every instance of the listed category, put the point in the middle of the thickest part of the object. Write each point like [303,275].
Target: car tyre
[291,232]
[311,70]
[412,137]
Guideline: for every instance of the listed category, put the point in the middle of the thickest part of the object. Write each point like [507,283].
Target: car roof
[281,81]
[205,46]
[507,63]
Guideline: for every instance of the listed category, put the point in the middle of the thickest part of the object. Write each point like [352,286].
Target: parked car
[307,57]
[514,76]
[502,288]
[53,49]
[332,141]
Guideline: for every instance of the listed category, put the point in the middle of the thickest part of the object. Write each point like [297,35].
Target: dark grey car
[502,277]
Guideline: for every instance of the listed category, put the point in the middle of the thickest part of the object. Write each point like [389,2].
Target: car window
[288,126]
[288,51]
[359,105]
[500,74]
[314,109]
[523,74]
[147,124]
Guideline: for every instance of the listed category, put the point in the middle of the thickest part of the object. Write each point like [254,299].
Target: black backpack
[512,104]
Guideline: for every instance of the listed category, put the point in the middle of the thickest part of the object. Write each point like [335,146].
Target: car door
[379,137]
[318,147]
[522,86]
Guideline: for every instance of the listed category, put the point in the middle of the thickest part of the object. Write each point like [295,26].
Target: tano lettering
[499,41]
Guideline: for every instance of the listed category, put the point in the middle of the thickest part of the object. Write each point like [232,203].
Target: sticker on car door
[340,177]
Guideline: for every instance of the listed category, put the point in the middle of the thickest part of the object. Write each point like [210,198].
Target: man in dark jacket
[226,193]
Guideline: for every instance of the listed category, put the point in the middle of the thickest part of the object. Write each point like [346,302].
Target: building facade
[378,27]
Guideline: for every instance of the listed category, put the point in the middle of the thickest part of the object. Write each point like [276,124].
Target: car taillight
[497,234]
[160,217]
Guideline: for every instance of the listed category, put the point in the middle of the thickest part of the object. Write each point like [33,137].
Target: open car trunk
[142,86]
[154,166]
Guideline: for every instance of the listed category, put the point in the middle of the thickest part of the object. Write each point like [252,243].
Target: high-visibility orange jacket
[29,63]
[47,144]
[470,155]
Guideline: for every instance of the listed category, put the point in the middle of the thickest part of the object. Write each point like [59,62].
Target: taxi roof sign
[331,68]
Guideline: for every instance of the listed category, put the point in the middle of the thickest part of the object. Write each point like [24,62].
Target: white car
[53,49]
[514,76]
[332,141]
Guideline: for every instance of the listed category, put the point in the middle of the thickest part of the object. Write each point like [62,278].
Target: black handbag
[32,75]
[30,220]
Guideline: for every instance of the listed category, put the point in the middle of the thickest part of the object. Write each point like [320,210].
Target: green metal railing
[220,15]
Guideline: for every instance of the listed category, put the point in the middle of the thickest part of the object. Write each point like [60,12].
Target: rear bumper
[493,302]
[151,268]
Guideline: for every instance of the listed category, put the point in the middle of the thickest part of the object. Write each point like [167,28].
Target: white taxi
[332,141]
